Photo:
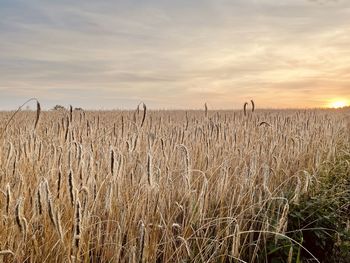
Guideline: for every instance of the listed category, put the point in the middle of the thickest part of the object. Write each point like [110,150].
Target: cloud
[174,53]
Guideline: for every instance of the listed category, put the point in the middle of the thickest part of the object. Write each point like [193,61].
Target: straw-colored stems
[20,219]
[149,169]
[8,198]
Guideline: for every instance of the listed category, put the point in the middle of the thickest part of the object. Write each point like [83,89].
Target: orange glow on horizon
[336,104]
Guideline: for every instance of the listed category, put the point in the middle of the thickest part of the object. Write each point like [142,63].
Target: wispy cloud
[174,53]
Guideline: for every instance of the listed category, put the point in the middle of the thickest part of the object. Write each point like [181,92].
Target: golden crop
[156,186]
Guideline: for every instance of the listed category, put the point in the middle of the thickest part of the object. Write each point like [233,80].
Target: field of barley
[160,186]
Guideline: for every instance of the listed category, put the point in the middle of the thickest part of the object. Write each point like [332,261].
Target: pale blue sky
[174,54]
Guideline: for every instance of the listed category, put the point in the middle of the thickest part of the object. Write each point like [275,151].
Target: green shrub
[320,222]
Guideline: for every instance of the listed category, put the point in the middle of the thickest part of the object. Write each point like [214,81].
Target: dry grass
[156,186]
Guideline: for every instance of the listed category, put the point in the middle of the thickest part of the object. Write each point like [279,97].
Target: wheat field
[157,186]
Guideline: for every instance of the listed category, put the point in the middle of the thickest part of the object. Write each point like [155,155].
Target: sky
[174,54]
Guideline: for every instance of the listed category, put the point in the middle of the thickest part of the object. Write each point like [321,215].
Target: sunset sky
[174,54]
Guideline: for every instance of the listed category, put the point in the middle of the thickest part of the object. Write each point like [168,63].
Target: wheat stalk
[245,108]
[38,110]
[71,187]
[144,114]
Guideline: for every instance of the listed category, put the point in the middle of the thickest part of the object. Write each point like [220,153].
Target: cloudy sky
[174,54]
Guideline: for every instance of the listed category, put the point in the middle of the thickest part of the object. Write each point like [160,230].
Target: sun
[338,104]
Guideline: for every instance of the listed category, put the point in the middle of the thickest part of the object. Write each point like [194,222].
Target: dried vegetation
[157,186]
